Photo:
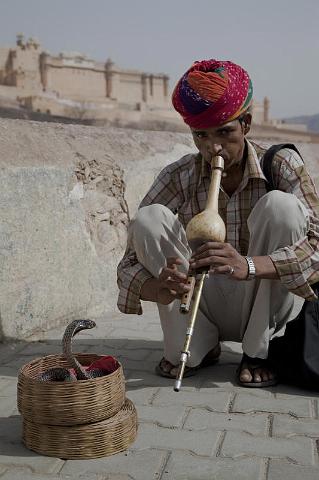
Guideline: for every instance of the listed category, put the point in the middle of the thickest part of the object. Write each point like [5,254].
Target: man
[270,257]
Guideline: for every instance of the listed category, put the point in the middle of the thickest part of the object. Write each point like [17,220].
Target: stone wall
[64,211]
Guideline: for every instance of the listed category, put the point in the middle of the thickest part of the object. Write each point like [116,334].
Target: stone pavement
[210,430]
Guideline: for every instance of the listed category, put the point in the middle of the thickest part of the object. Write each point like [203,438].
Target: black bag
[296,354]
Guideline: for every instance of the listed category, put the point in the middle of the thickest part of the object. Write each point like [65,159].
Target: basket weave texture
[94,440]
[68,403]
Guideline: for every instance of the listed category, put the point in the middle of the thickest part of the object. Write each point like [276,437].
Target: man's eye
[200,135]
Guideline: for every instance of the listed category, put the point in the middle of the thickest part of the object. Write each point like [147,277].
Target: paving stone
[223,376]
[140,365]
[155,355]
[213,400]
[285,391]
[41,349]
[142,396]
[8,372]
[104,345]
[234,347]
[258,392]
[298,450]
[140,379]
[183,466]
[282,470]
[8,388]
[140,344]
[10,349]
[5,385]
[7,407]
[152,436]
[23,474]
[169,416]
[132,333]
[13,453]
[250,402]
[120,353]
[287,425]
[218,376]
[21,360]
[144,465]
[201,419]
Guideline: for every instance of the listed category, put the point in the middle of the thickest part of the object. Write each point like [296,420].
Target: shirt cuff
[290,273]
[129,299]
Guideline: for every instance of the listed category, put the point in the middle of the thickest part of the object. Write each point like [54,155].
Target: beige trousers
[251,312]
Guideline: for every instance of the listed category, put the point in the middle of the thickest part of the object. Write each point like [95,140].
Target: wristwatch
[251,268]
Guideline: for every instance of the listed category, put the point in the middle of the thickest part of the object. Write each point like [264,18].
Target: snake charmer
[270,256]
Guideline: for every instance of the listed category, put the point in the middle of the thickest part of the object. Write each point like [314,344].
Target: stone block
[245,403]
[201,419]
[142,396]
[199,443]
[287,426]
[168,416]
[182,466]
[213,400]
[298,450]
[135,465]
[14,454]
[282,470]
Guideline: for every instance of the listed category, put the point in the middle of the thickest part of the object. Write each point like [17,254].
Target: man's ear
[246,122]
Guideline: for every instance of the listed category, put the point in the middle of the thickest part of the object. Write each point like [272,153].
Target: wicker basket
[95,440]
[68,403]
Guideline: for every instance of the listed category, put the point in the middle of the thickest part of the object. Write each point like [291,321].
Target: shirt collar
[252,167]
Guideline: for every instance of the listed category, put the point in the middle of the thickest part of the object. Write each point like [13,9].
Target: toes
[251,373]
[173,371]
[245,375]
[260,375]
[166,366]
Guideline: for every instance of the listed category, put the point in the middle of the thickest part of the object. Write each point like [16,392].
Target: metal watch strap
[251,268]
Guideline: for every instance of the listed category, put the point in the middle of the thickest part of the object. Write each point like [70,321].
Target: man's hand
[170,285]
[221,258]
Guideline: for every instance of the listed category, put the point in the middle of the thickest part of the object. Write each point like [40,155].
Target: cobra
[63,374]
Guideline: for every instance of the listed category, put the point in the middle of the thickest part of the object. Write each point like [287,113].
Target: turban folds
[211,93]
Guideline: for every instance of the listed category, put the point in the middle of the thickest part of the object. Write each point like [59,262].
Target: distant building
[75,86]
[72,83]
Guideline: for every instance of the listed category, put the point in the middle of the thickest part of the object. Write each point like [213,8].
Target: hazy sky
[277,41]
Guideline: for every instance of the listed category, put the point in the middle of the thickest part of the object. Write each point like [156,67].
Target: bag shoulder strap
[268,158]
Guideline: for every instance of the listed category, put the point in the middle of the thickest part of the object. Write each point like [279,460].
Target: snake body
[63,374]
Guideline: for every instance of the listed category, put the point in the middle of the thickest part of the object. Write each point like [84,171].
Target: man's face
[226,140]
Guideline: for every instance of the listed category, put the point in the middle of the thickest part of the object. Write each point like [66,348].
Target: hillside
[312,121]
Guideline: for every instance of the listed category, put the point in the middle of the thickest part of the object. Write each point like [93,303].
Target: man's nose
[215,148]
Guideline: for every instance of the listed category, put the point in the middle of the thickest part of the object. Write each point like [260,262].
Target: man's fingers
[172,273]
[173,261]
[210,245]
[216,254]
[179,286]
[209,261]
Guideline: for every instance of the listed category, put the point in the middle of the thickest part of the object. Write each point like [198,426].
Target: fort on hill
[71,83]
[73,86]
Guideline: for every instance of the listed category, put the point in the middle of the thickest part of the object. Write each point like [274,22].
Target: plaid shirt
[183,186]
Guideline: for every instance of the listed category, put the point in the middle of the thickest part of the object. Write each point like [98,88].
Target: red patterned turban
[211,93]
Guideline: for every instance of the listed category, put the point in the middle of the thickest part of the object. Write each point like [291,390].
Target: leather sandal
[252,364]
[210,359]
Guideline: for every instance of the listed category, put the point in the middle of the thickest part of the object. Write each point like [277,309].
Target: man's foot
[167,369]
[255,373]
